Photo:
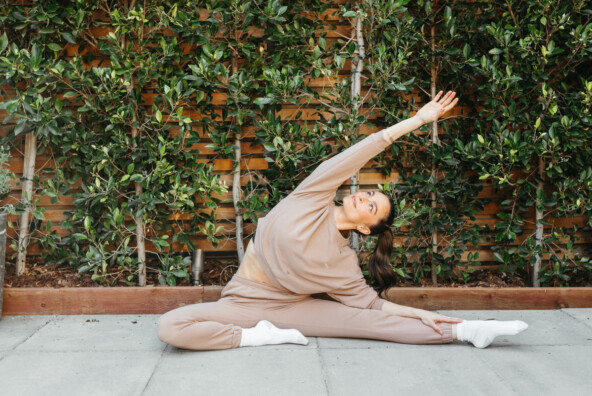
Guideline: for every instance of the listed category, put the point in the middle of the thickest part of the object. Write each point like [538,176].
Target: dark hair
[379,264]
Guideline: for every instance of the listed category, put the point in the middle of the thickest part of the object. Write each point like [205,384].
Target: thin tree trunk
[27,199]
[140,228]
[434,141]
[356,92]
[2,256]
[539,228]
[236,188]
[140,233]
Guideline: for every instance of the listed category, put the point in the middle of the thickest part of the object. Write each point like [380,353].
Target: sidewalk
[121,355]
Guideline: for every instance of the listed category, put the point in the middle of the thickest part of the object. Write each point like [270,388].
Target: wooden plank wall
[254,162]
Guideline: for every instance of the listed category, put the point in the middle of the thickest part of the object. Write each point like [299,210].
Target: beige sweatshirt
[298,244]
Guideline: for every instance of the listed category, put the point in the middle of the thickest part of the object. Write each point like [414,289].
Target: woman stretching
[301,248]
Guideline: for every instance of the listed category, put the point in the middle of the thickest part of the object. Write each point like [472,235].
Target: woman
[301,248]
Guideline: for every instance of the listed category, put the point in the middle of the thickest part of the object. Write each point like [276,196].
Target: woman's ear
[363,229]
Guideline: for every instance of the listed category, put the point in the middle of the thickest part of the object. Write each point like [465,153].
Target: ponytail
[379,265]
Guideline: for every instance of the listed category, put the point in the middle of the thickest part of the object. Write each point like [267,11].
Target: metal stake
[197,266]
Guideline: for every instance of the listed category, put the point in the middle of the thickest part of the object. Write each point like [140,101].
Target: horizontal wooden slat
[98,300]
[228,164]
[492,298]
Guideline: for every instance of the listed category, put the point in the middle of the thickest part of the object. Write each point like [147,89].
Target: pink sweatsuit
[300,249]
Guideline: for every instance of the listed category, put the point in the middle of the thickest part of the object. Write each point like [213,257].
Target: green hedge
[522,70]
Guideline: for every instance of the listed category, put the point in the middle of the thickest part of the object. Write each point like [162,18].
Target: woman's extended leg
[322,318]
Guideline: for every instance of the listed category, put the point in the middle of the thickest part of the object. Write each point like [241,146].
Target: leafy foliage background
[81,75]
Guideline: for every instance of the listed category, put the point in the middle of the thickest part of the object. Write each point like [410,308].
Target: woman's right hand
[433,110]
[431,319]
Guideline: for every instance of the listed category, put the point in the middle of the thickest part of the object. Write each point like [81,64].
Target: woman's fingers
[446,319]
[450,106]
[436,327]
[447,98]
[437,97]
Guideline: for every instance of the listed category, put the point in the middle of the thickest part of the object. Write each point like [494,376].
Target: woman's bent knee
[167,328]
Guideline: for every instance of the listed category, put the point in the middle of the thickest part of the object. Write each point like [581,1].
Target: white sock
[481,333]
[265,333]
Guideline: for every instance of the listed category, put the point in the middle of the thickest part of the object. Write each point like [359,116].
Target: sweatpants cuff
[447,333]
[237,334]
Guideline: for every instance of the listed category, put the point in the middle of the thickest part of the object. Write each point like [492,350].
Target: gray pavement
[121,355]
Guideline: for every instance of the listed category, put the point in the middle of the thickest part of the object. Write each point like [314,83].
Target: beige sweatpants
[218,325]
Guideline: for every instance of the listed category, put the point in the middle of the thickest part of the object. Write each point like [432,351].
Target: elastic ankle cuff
[237,335]
[447,332]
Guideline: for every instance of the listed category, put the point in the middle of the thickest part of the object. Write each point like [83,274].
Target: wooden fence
[253,161]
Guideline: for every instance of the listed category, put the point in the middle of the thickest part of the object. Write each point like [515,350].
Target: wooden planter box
[158,300]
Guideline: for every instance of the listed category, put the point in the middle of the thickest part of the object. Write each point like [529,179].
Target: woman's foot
[481,333]
[265,333]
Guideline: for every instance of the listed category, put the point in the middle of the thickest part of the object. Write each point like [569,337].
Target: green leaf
[466,51]
[495,51]
[20,127]
[199,96]
[54,47]
[158,116]
[84,268]
[316,52]
[263,101]
[68,37]
[498,257]
[3,42]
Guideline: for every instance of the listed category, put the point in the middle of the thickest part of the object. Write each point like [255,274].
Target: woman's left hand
[437,107]
[432,319]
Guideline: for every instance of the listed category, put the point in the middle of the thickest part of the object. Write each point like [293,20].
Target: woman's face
[366,208]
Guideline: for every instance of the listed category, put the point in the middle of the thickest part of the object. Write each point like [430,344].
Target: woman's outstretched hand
[437,107]
[432,319]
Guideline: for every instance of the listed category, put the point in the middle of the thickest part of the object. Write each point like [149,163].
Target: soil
[219,271]
[37,274]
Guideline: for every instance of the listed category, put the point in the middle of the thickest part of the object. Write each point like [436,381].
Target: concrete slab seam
[154,369]
[29,337]
[323,370]
[475,352]
[576,318]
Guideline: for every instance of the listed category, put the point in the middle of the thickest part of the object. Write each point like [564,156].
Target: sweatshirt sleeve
[351,289]
[358,294]
[328,176]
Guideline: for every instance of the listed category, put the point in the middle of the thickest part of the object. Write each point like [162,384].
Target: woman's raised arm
[332,173]
[431,112]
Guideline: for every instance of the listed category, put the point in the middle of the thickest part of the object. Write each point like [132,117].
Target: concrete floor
[121,355]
